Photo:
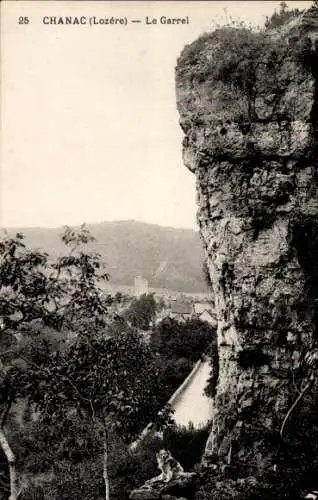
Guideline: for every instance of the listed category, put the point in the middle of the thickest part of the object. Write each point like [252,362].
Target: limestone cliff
[248,107]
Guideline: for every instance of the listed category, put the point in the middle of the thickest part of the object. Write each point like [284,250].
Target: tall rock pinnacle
[248,105]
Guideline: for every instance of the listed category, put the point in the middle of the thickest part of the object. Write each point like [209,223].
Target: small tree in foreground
[102,381]
[99,377]
[36,292]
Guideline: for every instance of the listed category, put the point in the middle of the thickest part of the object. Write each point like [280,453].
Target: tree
[118,297]
[67,455]
[142,311]
[178,347]
[99,376]
[36,292]
[187,340]
[103,381]
[161,304]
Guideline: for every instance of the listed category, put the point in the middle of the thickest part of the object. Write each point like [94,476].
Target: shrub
[172,374]
[189,340]
[248,358]
[186,444]
[141,311]
[282,16]
[81,480]
[211,387]
[33,492]
[129,470]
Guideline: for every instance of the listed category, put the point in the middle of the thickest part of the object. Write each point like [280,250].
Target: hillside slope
[168,257]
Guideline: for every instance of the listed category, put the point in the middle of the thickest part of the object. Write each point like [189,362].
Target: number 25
[23,20]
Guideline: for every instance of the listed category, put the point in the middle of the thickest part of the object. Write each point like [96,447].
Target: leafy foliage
[178,346]
[129,471]
[282,16]
[188,340]
[141,311]
[36,293]
[206,275]
[104,378]
[95,376]
[244,76]
[186,444]
[64,292]
[171,373]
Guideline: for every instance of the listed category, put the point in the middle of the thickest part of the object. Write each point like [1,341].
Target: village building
[205,312]
[180,311]
[141,286]
[209,317]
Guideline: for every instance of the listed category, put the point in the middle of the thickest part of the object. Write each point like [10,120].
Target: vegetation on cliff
[282,16]
[244,76]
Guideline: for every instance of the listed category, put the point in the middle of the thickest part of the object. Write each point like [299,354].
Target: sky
[89,126]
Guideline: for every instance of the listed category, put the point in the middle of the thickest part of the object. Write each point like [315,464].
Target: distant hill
[168,257]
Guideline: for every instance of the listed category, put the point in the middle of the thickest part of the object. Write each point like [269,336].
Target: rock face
[248,107]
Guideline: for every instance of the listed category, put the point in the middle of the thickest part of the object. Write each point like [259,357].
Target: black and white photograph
[159,250]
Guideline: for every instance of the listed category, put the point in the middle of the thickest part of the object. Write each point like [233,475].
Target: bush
[186,444]
[141,311]
[33,493]
[211,387]
[248,358]
[172,374]
[189,340]
[130,470]
[282,16]
[81,480]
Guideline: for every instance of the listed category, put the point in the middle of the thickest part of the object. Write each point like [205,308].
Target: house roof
[200,307]
[180,308]
[208,316]
[205,312]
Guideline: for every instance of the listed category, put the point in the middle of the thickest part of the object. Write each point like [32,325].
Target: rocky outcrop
[248,105]
[169,485]
[165,491]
